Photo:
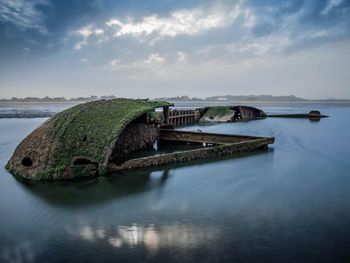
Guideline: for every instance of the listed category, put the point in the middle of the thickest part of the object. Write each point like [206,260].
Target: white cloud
[113,22]
[154,59]
[98,31]
[154,27]
[114,62]
[181,57]
[330,5]
[249,19]
[153,63]
[84,33]
[264,45]
[24,14]
[241,20]
[80,44]
[183,22]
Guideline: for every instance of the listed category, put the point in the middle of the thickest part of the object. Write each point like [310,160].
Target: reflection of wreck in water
[97,190]
[96,138]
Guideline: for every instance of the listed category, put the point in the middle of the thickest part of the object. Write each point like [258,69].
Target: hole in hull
[27,162]
[83,166]
[82,161]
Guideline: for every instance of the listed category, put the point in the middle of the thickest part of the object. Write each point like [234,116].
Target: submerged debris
[313,115]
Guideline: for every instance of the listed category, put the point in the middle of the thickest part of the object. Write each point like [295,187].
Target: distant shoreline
[242,102]
[262,101]
[227,99]
[38,102]
[32,109]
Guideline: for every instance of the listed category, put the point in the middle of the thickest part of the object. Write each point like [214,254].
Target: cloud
[181,57]
[84,33]
[254,28]
[154,59]
[24,14]
[182,22]
[159,42]
[154,65]
[331,5]
[114,62]
[98,31]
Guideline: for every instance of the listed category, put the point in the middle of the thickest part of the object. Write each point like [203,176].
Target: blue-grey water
[288,204]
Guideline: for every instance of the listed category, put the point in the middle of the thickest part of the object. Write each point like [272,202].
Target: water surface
[288,204]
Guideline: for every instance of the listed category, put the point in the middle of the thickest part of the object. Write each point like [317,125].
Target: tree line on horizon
[58,99]
[235,98]
[224,98]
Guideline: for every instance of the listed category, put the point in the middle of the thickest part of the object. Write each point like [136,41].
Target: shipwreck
[98,138]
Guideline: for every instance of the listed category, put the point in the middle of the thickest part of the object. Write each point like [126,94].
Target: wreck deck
[203,137]
[223,145]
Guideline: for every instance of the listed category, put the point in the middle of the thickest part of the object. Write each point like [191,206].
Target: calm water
[289,204]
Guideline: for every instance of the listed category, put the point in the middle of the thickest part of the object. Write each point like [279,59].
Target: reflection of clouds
[151,237]
[23,252]
[87,233]
[100,233]
[130,234]
[115,241]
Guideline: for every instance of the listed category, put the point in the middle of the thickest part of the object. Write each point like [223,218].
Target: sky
[154,48]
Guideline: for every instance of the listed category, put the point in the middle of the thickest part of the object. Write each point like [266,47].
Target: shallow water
[288,204]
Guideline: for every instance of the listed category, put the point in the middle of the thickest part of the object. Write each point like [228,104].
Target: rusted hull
[238,144]
[216,138]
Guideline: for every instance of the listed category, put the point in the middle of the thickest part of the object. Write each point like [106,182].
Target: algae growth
[89,130]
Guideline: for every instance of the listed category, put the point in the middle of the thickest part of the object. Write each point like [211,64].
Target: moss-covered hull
[82,137]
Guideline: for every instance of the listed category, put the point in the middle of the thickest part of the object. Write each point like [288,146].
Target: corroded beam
[190,155]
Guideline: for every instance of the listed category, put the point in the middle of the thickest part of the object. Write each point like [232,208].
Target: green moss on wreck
[217,114]
[88,130]
[231,114]
[218,111]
